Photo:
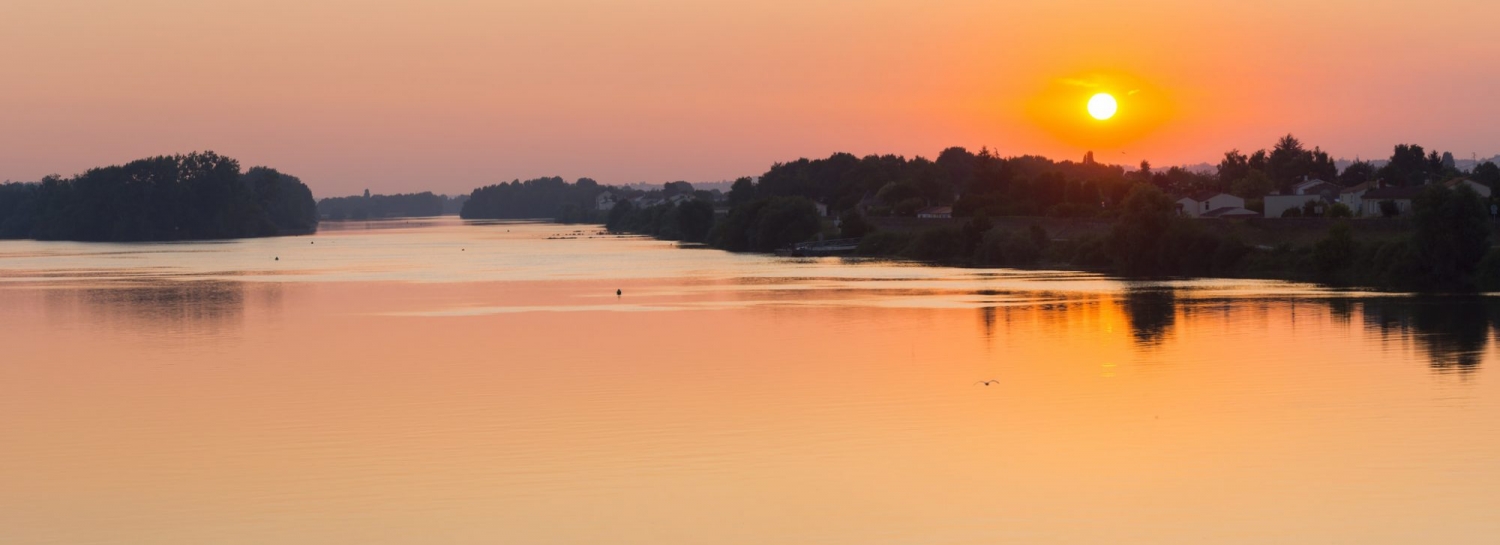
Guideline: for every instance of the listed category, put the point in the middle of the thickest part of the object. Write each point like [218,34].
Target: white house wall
[1278,204]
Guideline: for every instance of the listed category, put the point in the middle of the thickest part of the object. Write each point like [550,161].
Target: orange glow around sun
[1100,111]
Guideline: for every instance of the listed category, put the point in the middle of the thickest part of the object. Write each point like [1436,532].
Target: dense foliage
[688,221]
[179,197]
[972,183]
[550,198]
[1446,252]
[765,225]
[369,206]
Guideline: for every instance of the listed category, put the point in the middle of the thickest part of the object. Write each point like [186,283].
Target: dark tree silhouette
[179,197]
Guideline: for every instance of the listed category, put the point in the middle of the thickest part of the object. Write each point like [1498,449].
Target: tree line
[172,197]
[1447,248]
[401,205]
[540,198]
[1446,251]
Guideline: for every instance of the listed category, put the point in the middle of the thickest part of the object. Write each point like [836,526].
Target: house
[1315,187]
[1197,204]
[1315,190]
[605,201]
[936,212]
[1481,189]
[822,209]
[1401,196]
[647,201]
[1351,196]
[1276,205]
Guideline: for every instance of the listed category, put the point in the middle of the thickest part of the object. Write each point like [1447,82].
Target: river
[436,381]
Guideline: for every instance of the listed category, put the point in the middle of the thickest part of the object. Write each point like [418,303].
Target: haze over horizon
[448,95]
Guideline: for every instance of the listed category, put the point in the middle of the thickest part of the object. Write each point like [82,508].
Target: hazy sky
[409,95]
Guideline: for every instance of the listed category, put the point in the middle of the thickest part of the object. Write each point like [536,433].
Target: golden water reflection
[480,384]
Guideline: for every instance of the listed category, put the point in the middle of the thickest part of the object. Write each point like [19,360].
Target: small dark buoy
[618,293]
[278,258]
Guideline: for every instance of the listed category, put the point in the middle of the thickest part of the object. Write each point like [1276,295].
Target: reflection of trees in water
[1151,312]
[987,317]
[166,307]
[1340,309]
[1452,331]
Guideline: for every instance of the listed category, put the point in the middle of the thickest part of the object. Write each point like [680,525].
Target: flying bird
[987,382]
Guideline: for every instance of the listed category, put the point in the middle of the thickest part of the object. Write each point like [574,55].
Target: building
[1276,205]
[647,201]
[1313,190]
[1481,189]
[1315,187]
[605,201]
[822,209]
[1352,196]
[936,212]
[1401,196]
[1230,213]
[1197,204]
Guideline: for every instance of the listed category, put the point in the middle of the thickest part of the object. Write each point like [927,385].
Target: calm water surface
[441,382]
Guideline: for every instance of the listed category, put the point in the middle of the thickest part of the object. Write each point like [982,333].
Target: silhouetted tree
[382,206]
[695,219]
[853,224]
[1138,236]
[178,197]
[1357,173]
[741,192]
[1408,166]
[1487,173]
[1452,236]
[538,198]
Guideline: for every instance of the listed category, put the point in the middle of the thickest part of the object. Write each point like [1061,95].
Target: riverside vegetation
[1446,248]
[179,197]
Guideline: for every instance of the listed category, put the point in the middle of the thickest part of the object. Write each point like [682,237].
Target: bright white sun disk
[1103,106]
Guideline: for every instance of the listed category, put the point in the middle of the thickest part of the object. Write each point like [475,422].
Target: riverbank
[1443,246]
[1257,232]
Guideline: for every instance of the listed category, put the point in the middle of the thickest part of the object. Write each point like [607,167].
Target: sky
[447,95]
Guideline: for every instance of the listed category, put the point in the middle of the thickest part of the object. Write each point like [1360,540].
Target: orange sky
[409,95]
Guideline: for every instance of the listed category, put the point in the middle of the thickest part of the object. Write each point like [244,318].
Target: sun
[1103,106]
